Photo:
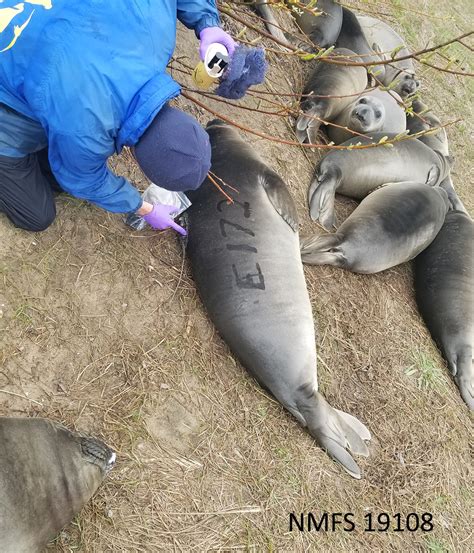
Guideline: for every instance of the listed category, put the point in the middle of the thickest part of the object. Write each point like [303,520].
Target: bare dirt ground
[102,329]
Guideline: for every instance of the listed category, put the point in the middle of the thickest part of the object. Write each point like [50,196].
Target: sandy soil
[101,328]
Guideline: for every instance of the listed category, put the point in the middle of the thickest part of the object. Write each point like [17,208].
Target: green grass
[22,315]
[427,373]
[434,545]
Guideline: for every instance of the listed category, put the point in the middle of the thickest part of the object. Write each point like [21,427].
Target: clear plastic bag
[156,195]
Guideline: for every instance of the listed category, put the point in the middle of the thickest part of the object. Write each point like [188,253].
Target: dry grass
[102,330]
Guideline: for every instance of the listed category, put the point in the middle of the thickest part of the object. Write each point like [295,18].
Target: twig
[22,397]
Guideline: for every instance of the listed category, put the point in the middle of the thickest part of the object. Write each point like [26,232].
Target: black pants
[27,189]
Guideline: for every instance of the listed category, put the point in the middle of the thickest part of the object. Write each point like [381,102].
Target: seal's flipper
[335,431]
[433,176]
[98,453]
[461,366]
[280,198]
[306,120]
[455,202]
[322,250]
[271,23]
[321,196]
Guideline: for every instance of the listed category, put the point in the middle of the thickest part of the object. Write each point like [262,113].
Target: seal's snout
[362,114]
[410,86]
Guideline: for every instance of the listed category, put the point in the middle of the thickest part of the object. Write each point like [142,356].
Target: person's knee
[174,152]
[39,221]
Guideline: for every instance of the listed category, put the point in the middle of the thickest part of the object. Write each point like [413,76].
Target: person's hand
[211,35]
[160,218]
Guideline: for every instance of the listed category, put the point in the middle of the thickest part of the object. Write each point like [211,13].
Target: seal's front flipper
[280,197]
[307,122]
[98,453]
[322,250]
[321,197]
[337,432]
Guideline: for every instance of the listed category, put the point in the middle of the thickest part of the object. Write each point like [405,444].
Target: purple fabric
[213,35]
[246,68]
[174,152]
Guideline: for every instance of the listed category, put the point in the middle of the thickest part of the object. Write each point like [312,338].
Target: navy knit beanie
[174,152]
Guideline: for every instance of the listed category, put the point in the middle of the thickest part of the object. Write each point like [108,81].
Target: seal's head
[406,84]
[367,114]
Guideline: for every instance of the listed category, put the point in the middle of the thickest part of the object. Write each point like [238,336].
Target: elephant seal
[375,110]
[321,29]
[47,474]
[392,225]
[244,258]
[399,75]
[357,173]
[444,286]
[340,83]
[422,120]
[352,37]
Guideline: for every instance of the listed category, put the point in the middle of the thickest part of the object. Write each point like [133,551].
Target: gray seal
[374,110]
[357,173]
[391,226]
[342,83]
[399,75]
[47,474]
[421,119]
[244,258]
[352,37]
[444,286]
[322,29]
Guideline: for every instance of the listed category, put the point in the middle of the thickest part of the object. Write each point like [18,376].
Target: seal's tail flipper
[321,196]
[322,250]
[463,371]
[339,433]
[265,11]
[454,201]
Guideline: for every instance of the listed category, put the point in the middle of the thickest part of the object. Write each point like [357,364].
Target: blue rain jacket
[87,77]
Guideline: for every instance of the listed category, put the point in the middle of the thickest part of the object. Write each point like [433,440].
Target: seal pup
[391,226]
[352,37]
[340,82]
[399,75]
[47,474]
[423,119]
[444,287]
[321,29]
[375,110]
[245,258]
[357,173]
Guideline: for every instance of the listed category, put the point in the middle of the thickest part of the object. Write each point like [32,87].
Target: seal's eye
[378,113]
[362,101]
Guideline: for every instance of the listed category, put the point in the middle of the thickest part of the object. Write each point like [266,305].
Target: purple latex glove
[211,35]
[160,218]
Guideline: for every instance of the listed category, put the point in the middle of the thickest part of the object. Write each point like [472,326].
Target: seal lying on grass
[357,173]
[444,285]
[391,226]
[246,264]
[47,474]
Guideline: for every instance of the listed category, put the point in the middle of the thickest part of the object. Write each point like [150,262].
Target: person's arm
[80,166]
[79,163]
[198,14]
